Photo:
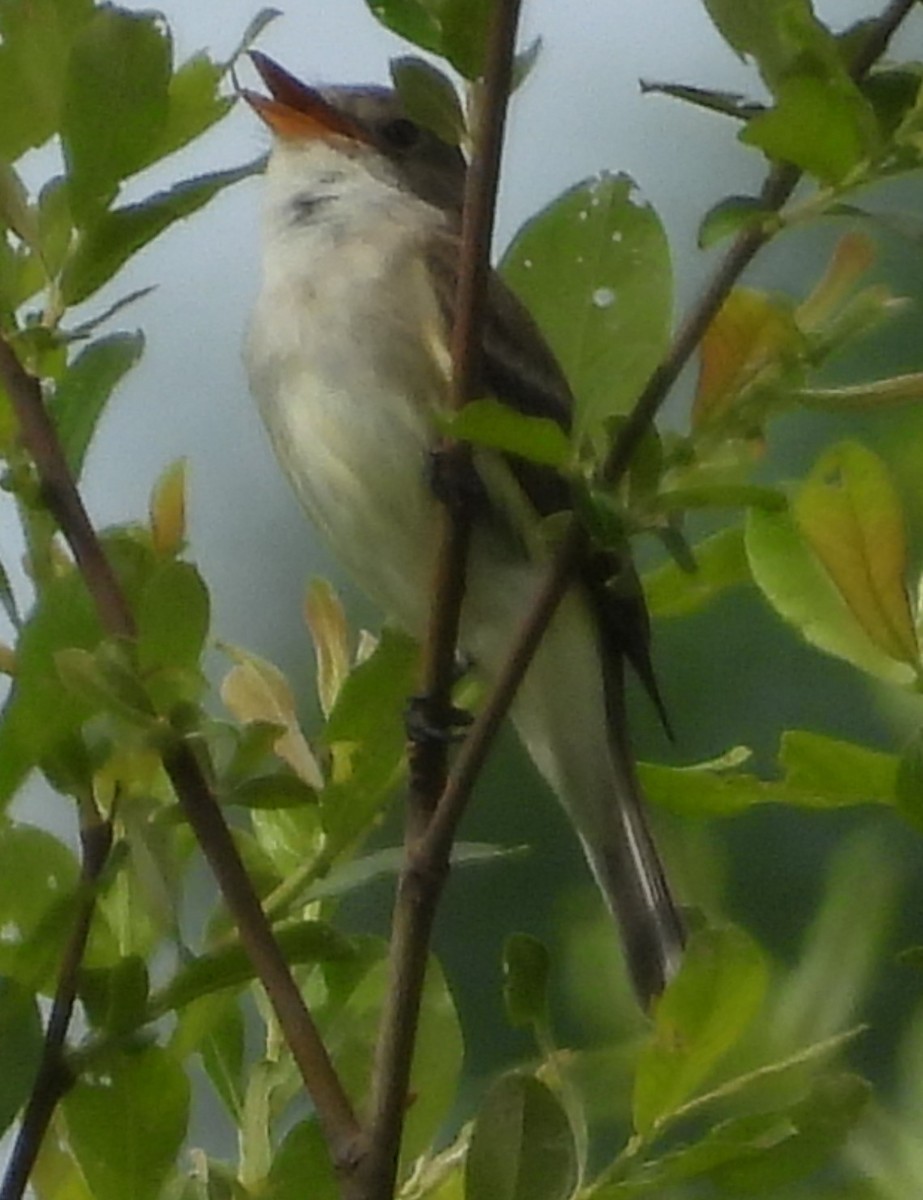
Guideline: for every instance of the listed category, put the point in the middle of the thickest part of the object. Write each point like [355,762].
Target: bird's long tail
[570,714]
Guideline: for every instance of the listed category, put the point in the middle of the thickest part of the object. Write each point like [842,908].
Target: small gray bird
[348,357]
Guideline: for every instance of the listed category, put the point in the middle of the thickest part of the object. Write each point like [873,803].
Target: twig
[334,1110]
[780,183]
[421,880]
[53,1079]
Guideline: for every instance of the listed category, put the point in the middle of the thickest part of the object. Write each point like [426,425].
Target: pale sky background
[580,112]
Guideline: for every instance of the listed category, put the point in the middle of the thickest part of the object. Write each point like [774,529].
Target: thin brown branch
[333,1106]
[422,877]
[53,1079]
[779,185]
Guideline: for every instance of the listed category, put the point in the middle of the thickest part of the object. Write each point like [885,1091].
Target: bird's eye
[401,133]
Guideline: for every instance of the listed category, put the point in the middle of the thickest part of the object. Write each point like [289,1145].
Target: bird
[348,358]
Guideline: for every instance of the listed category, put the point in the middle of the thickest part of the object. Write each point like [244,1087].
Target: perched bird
[348,359]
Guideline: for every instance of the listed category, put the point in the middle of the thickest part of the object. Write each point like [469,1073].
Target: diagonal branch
[780,183]
[53,1079]
[422,877]
[335,1113]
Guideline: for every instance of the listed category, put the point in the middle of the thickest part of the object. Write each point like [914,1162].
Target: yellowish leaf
[256,690]
[852,256]
[326,620]
[850,514]
[749,333]
[168,510]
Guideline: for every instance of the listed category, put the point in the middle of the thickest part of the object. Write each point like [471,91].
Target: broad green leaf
[304,942]
[699,1017]
[213,1026]
[106,683]
[437,1066]
[429,98]
[729,217]
[490,423]
[850,514]
[115,236]
[326,619]
[465,26]
[193,104]
[278,790]
[594,270]
[303,1156]
[368,735]
[81,396]
[814,127]
[383,864]
[908,786]
[831,767]
[802,592]
[818,1127]
[173,618]
[720,562]
[845,939]
[419,21]
[36,44]
[526,968]
[706,790]
[115,104]
[16,213]
[55,228]
[127,1124]
[38,712]
[115,998]
[757,1151]
[21,1040]
[521,1147]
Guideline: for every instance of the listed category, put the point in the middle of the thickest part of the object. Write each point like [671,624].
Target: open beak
[294,110]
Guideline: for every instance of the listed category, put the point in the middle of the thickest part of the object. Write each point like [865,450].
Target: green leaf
[115,236]
[115,998]
[496,425]
[419,21]
[729,104]
[302,1156]
[864,397]
[213,1027]
[115,104]
[38,882]
[802,592]
[127,1125]
[173,617]
[757,1151]
[367,717]
[594,271]
[278,790]
[836,769]
[193,105]
[383,864]
[851,516]
[908,786]
[729,217]
[16,213]
[437,1065]
[465,26]
[303,942]
[521,1147]
[81,396]
[721,563]
[813,127]
[21,1039]
[699,1017]
[105,683]
[429,98]
[36,44]
[719,495]
[526,969]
